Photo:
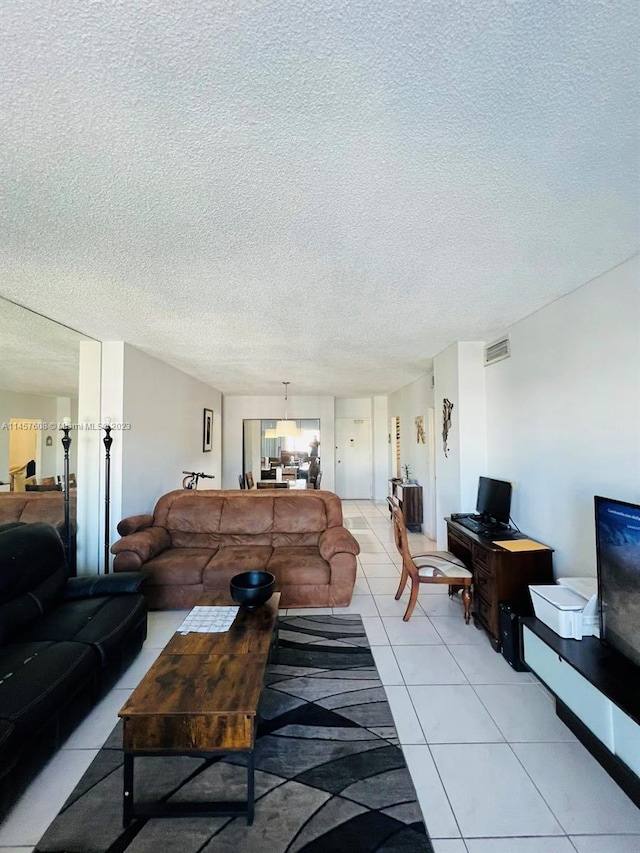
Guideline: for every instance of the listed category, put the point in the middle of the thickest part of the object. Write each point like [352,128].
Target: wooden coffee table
[200,698]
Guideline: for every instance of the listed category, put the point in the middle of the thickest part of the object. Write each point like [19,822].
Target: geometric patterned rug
[329,773]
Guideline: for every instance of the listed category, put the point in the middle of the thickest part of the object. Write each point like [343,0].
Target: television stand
[596,697]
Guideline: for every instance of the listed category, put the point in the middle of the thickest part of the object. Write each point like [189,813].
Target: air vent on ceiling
[497,351]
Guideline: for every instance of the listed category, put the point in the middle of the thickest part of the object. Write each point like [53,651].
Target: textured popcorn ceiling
[37,356]
[323,192]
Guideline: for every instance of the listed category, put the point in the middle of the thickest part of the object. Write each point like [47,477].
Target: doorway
[24,447]
[353,458]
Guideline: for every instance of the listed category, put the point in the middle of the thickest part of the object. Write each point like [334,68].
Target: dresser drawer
[483,582]
[483,609]
[480,557]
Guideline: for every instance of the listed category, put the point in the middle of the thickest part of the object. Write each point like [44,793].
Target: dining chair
[249,478]
[433,567]
[242,482]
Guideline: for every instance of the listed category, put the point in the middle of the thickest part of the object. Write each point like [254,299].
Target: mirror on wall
[39,376]
[269,457]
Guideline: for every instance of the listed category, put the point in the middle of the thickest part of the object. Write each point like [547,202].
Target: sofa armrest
[87,586]
[138,548]
[337,540]
[134,523]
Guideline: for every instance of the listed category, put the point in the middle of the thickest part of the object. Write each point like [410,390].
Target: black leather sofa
[63,641]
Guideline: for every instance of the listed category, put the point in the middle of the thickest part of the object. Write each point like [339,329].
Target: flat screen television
[618,562]
[493,504]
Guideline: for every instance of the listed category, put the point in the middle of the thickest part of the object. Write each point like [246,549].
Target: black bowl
[252,589]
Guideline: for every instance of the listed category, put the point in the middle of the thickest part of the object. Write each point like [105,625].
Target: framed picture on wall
[207,431]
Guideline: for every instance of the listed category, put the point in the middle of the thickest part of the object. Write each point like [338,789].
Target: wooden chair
[249,478]
[434,567]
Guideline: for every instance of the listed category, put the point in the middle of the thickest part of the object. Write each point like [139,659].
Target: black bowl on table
[252,589]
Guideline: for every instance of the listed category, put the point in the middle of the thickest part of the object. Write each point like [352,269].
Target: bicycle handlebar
[195,474]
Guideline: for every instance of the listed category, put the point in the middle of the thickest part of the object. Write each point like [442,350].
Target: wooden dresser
[409,499]
[498,575]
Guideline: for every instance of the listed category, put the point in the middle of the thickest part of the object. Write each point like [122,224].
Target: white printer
[570,607]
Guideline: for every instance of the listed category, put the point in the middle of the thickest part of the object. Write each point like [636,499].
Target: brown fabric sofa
[195,542]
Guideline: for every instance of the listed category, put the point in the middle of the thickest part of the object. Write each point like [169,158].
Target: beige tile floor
[494,768]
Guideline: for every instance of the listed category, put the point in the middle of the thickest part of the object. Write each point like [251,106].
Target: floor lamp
[107,441]
[66,443]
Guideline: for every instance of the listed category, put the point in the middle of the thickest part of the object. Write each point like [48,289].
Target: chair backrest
[249,479]
[46,484]
[400,537]
[73,484]
[243,485]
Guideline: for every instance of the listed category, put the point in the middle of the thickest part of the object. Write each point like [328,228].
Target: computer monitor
[494,501]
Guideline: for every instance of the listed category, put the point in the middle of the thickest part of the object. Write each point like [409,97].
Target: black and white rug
[330,775]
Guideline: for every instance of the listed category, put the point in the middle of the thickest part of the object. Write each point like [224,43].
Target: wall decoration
[421,438]
[395,426]
[447,408]
[207,431]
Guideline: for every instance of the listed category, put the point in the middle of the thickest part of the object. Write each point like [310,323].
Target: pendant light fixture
[287,428]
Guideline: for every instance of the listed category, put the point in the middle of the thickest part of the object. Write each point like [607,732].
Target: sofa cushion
[293,515]
[177,566]
[38,679]
[27,608]
[29,556]
[230,561]
[187,513]
[246,516]
[32,575]
[11,507]
[30,507]
[298,565]
[102,622]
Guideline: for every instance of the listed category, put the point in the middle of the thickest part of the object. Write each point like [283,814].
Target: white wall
[381,448]
[41,408]
[460,378]
[164,408]
[90,506]
[407,403]
[563,414]
[236,409]
[353,407]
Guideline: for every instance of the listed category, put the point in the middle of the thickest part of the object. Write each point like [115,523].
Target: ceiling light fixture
[287,428]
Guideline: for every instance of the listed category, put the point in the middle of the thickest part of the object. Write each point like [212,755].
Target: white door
[353,458]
